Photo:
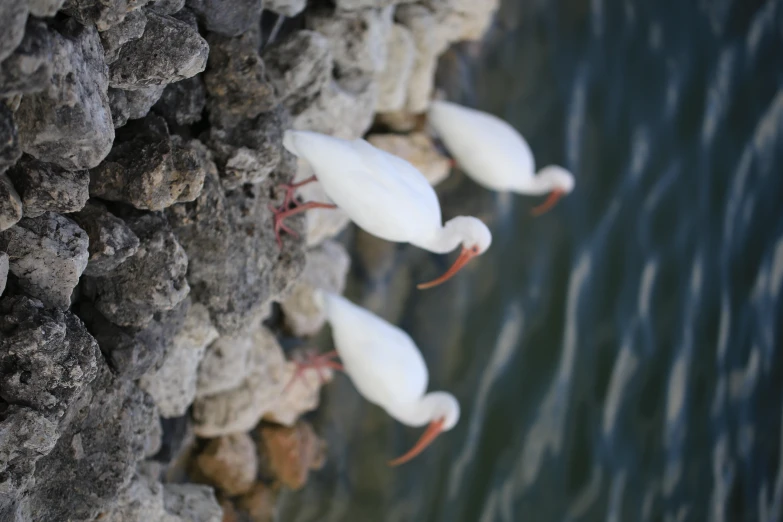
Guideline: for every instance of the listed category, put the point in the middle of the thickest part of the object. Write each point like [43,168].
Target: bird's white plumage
[383,362]
[383,194]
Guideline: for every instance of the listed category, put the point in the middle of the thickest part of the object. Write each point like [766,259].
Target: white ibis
[387,368]
[495,155]
[383,194]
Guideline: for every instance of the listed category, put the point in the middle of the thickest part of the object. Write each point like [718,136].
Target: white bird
[387,368]
[495,155]
[383,194]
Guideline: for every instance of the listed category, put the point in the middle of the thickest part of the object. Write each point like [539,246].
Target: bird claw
[315,362]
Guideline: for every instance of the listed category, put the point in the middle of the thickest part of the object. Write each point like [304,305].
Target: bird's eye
[474,249]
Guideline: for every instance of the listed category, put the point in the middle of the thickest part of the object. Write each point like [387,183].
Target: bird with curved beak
[495,155]
[386,367]
[383,194]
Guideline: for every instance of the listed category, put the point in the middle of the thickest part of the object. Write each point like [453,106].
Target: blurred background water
[618,359]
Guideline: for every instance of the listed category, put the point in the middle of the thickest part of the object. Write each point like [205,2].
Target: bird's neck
[445,239]
[535,185]
[416,413]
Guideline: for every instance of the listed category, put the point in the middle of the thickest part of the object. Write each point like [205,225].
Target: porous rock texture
[141,284]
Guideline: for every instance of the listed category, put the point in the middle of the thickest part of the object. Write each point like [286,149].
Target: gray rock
[150,169]
[103,13]
[166,7]
[298,68]
[29,68]
[103,437]
[10,204]
[249,151]
[173,384]
[287,8]
[187,16]
[235,80]
[44,8]
[150,281]
[45,187]
[191,503]
[118,104]
[358,38]
[129,29]
[351,5]
[9,139]
[235,267]
[25,436]
[46,355]
[70,123]
[168,51]
[111,240]
[3,271]
[48,254]
[182,103]
[132,352]
[393,80]
[13,13]
[140,101]
[227,17]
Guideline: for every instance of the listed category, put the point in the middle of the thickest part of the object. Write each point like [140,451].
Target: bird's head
[560,182]
[475,238]
[442,410]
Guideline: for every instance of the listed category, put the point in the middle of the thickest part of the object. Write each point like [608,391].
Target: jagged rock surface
[29,68]
[182,103]
[227,17]
[111,240]
[46,187]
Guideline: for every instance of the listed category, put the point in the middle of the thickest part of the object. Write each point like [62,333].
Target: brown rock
[229,463]
[418,149]
[292,452]
[259,503]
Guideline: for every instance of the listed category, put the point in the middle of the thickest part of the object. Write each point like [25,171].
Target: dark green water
[620,358]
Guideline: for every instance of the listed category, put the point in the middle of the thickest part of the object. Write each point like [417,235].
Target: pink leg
[290,188]
[282,213]
[316,362]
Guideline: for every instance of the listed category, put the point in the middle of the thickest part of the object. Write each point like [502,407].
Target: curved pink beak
[464,256]
[433,430]
[547,205]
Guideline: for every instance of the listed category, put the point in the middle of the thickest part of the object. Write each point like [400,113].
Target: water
[620,358]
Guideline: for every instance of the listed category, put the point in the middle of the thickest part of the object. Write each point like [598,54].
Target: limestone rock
[29,68]
[150,281]
[131,28]
[229,463]
[46,355]
[173,384]
[45,187]
[288,8]
[182,103]
[14,15]
[191,503]
[394,77]
[259,503]
[130,351]
[10,204]
[104,434]
[44,8]
[70,123]
[168,51]
[166,7]
[48,254]
[111,240]
[226,362]
[103,13]
[358,39]
[239,409]
[249,151]
[351,5]
[326,268]
[298,67]
[140,101]
[235,266]
[235,80]
[142,501]
[293,452]
[3,271]
[418,149]
[339,112]
[150,169]
[10,151]
[299,395]
[227,17]
[118,104]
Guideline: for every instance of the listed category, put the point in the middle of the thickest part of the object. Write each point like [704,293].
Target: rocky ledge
[141,372]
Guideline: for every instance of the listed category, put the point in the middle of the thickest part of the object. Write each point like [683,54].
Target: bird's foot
[315,362]
[283,212]
[290,188]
